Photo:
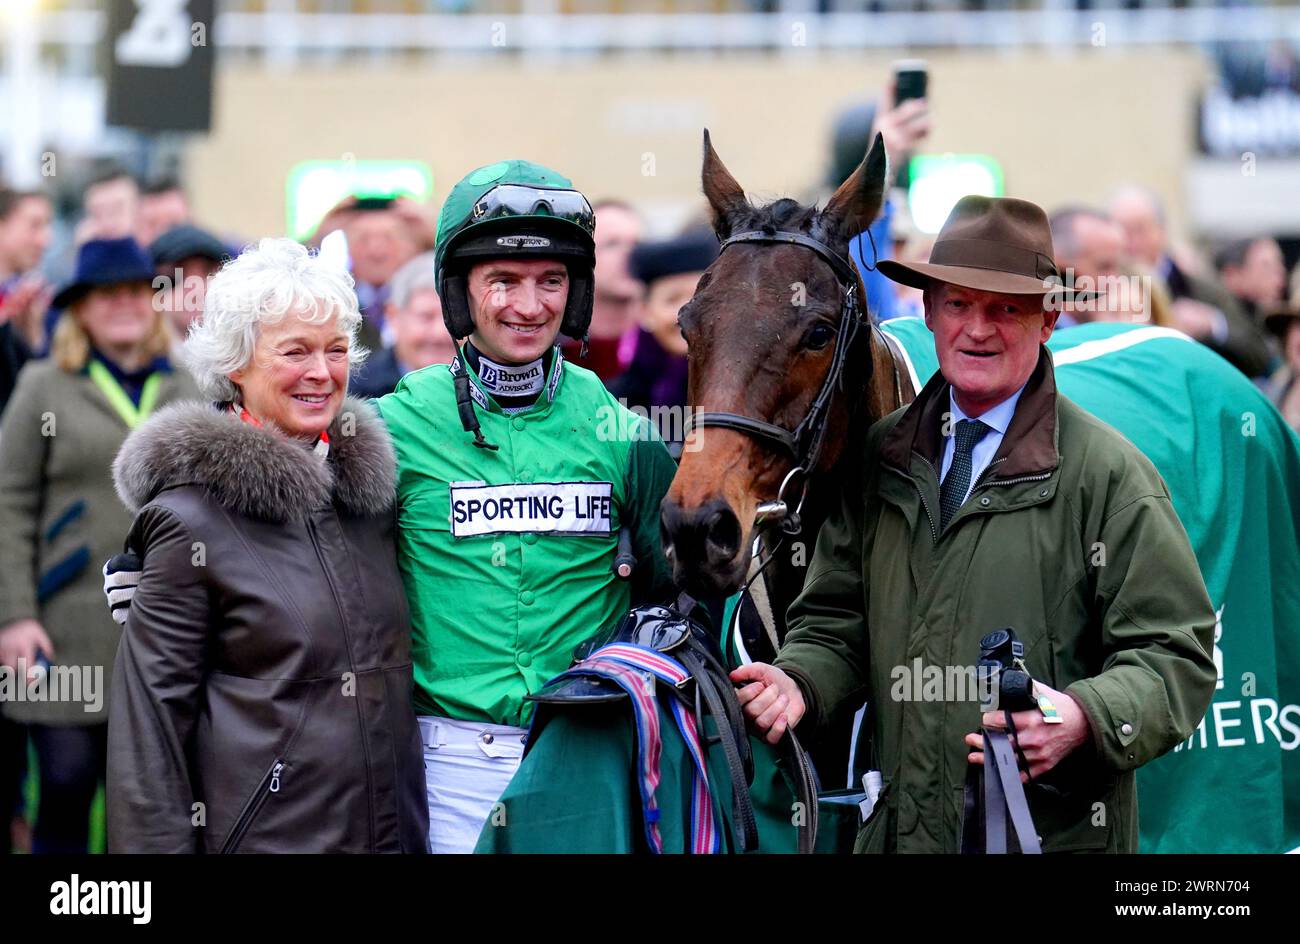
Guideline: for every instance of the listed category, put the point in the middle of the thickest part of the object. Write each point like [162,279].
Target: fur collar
[257,472]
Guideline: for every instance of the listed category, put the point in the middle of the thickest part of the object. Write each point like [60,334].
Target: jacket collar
[1028,448]
[256,471]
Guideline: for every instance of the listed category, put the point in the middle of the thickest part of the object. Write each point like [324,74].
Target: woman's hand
[21,640]
[772,701]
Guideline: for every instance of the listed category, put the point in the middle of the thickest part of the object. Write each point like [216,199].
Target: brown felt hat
[992,244]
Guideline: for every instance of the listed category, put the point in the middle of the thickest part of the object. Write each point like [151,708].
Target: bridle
[803,443]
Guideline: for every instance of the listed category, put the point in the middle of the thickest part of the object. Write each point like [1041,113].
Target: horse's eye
[819,335]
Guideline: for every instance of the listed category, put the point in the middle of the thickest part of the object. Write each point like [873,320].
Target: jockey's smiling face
[518,305]
[987,342]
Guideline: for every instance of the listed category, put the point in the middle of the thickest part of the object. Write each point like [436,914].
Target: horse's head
[762,330]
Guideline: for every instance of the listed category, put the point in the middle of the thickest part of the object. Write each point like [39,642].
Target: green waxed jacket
[496,615]
[1070,538]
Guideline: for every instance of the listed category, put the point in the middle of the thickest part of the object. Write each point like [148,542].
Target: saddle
[664,654]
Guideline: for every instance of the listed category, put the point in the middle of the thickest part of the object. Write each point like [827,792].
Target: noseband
[803,443]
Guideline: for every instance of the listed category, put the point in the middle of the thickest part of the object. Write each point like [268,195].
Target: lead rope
[756,589]
[796,758]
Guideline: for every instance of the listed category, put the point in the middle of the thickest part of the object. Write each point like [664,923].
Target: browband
[846,275]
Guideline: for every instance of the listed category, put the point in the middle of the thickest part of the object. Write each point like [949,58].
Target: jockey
[520,480]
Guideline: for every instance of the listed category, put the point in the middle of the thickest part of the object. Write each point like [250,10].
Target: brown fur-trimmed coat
[265,666]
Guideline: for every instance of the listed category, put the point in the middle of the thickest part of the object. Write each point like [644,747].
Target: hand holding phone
[903,116]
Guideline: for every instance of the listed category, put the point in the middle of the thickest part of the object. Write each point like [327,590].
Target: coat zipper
[1015,481]
[270,783]
[920,494]
[978,485]
[1023,478]
[979,482]
[934,531]
[347,639]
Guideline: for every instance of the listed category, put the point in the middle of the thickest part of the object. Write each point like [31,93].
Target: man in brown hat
[992,502]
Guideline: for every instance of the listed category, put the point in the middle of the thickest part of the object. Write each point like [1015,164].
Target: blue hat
[105,262]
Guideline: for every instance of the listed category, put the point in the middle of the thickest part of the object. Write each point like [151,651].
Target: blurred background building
[1199,101]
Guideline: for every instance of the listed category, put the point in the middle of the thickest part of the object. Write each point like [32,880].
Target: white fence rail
[280,34]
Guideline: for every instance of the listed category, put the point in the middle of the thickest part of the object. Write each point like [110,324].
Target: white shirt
[997,419]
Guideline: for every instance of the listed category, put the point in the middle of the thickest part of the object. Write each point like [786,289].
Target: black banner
[1254,106]
[941,899]
[160,64]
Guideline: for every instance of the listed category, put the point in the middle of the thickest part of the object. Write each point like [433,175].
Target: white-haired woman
[262,695]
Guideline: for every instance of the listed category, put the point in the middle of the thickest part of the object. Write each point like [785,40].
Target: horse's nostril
[723,534]
[708,535]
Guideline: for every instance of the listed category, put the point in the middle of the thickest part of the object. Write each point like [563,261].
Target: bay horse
[787,371]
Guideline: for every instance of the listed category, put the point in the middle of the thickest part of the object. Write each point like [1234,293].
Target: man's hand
[1044,745]
[772,700]
[20,641]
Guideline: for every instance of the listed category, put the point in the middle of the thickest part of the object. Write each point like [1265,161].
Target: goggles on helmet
[506,201]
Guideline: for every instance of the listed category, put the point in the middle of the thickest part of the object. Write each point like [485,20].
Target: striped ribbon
[627,665]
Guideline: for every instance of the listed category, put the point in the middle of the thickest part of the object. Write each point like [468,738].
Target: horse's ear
[725,196]
[855,205]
